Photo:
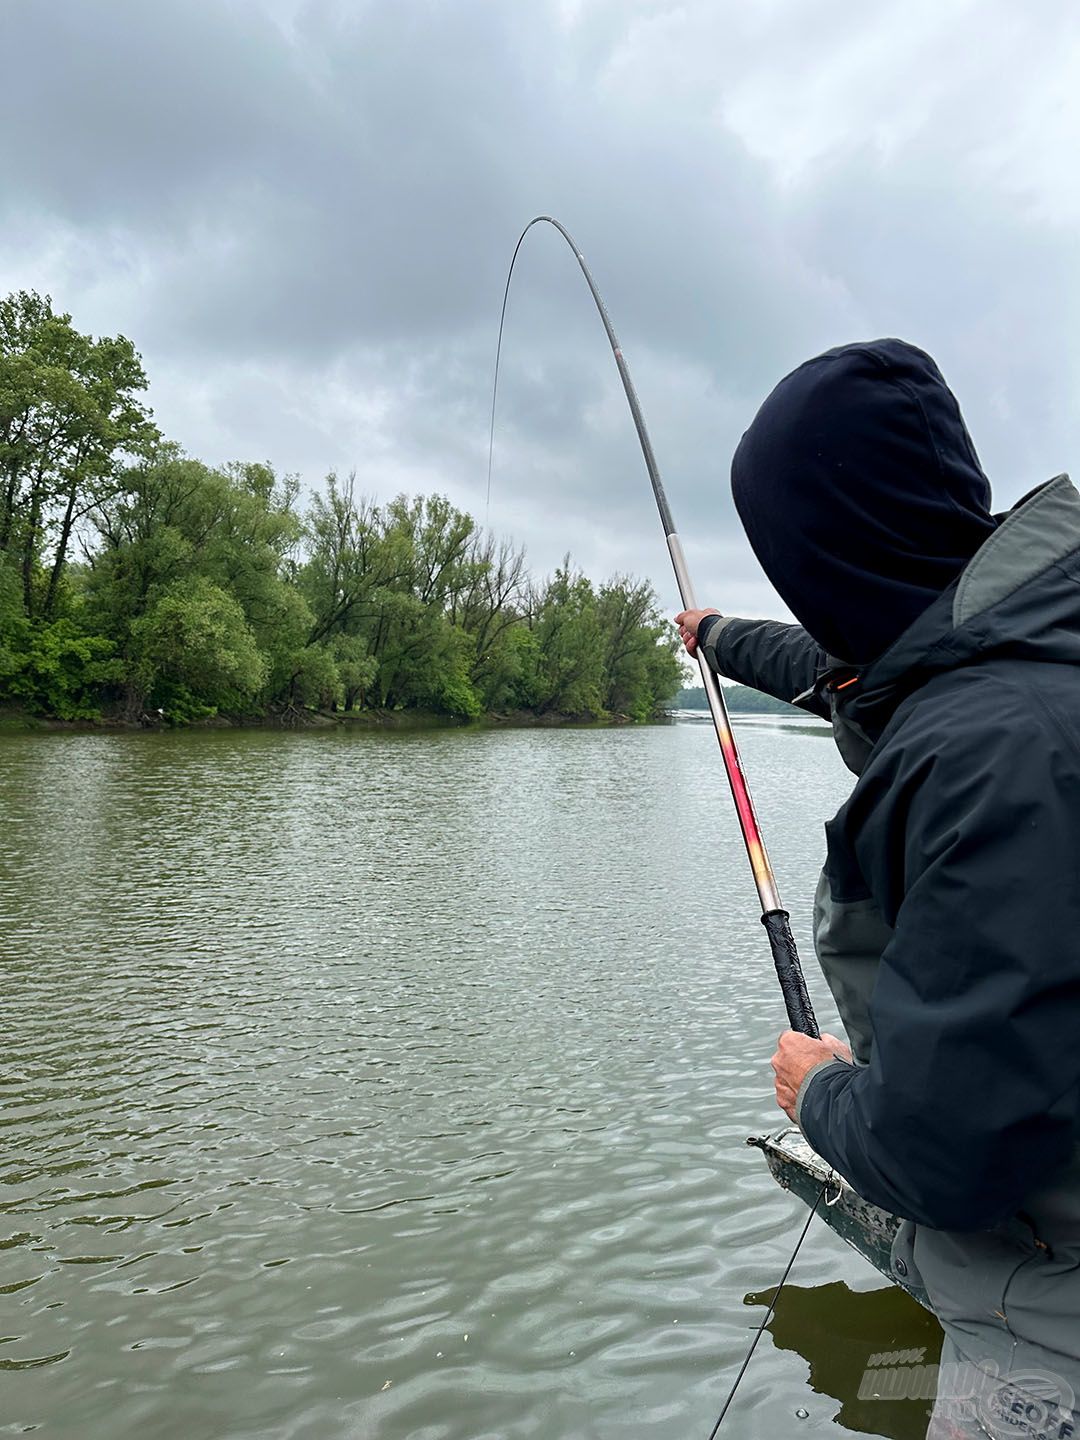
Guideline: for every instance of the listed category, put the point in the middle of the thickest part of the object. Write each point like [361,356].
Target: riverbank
[15,721]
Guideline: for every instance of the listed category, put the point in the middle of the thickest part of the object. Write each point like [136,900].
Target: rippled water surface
[395,1087]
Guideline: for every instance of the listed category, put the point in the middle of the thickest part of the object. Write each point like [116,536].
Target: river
[368,1086]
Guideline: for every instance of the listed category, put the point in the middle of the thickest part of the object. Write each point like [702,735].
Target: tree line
[740,699]
[137,582]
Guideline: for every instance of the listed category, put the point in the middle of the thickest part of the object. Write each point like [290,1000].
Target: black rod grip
[789,972]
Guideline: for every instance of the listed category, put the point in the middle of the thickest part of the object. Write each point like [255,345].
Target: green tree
[196,649]
[570,642]
[179,527]
[355,667]
[488,604]
[423,656]
[14,628]
[350,560]
[641,671]
[68,416]
[61,670]
[312,680]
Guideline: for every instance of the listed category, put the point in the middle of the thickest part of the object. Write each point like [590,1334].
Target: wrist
[809,1078]
[708,623]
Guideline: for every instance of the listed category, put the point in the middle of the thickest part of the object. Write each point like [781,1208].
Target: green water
[395,1087]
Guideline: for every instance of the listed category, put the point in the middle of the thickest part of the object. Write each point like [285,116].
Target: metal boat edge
[865,1227]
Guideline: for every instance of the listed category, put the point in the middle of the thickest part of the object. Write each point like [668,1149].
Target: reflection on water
[850,1340]
[394,1087]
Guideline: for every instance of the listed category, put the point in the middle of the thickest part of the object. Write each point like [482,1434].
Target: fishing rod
[773,915]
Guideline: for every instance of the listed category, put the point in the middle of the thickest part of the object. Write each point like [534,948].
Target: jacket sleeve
[781,660]
[969,1101]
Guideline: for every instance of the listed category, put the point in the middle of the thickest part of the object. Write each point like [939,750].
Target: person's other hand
[796,1055]
[688,622]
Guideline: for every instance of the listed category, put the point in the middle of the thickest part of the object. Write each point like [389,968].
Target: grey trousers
[973,1403]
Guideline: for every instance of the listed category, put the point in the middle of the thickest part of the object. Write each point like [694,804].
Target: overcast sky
[302,214]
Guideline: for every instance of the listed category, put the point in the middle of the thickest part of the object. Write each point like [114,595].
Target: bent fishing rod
[773,915]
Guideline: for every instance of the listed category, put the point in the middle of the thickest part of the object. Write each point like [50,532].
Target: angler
[943,642]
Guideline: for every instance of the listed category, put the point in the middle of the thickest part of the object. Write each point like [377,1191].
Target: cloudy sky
[301,211]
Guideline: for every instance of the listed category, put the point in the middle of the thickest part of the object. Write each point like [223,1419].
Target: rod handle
[789,972]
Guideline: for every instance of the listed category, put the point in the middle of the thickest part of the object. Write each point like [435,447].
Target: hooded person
[944,645]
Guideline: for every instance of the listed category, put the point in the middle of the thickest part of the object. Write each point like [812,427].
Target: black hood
[861,493]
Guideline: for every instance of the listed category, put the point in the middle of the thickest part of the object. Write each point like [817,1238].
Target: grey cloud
[302,213]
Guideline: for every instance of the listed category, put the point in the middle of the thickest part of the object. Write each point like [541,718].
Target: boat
[865,1227]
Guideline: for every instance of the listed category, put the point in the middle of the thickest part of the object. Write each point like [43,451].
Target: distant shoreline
[19,723]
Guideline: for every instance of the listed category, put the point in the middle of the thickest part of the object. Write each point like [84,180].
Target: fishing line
[498,358]
[768,1316]
[773,916]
